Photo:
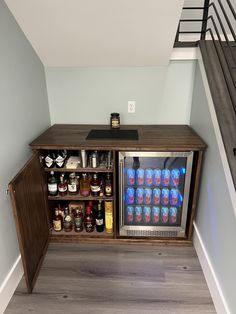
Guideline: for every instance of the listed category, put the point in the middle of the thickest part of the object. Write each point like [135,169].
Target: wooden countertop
[151,137]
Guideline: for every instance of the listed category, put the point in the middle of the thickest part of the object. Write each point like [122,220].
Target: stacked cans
[152,196]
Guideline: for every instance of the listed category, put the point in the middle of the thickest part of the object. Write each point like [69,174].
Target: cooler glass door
[154,190]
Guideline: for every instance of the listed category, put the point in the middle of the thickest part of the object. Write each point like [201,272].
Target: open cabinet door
[29,204]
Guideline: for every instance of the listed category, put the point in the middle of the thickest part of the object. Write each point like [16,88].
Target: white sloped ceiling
[99,32]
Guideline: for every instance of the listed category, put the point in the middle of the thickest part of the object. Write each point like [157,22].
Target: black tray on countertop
[112,135]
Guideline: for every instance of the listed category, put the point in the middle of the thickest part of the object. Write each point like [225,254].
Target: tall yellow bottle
[109,217]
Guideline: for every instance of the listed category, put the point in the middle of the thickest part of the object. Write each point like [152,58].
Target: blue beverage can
[129,198]
[175,175]
[155,214]
[156,196]
[139,196]
[130,176]
[129,214]
[173,215]
[138,214]
[165,196]
[140,176]
[148,174]
[165,177]
[174,197]
[164,214]
[157,177]
[147,214]
[147,196]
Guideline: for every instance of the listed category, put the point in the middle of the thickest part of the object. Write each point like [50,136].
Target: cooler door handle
[121,190]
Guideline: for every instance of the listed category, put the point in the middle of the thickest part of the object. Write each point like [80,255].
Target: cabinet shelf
[82,234]
[79,197]
[99,169]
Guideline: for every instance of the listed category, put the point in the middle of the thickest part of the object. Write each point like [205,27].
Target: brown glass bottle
[62,186]
[57,222]
[68,222]
[95,185]
[73,184]
[84,185]
[88,220]
[78,220]
[108,190]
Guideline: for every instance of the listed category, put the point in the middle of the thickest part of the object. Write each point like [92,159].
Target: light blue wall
[215,219]
[23,115]
[163,95]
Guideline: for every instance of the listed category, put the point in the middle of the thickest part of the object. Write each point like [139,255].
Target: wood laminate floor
[79,278]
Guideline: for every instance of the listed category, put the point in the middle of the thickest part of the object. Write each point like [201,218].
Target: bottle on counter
[62,186]
[78,220]
[99,219]
[57,221]
[115,120]
[52,184]
[108,190]
[88,220]
[73,184]
[95,185]
[67,222]
[84,185]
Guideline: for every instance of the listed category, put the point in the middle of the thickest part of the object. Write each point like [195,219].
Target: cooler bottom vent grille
[151,233]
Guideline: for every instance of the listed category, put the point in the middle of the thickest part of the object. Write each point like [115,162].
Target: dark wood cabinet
[32,206]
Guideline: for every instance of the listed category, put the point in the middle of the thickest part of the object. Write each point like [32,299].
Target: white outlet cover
[131,106]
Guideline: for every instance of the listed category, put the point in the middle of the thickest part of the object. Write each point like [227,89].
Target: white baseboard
[209,273]
[10,284]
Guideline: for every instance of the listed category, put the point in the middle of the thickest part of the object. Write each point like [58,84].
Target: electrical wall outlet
[131,106]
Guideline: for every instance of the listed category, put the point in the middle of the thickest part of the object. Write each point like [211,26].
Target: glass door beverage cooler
[154,191]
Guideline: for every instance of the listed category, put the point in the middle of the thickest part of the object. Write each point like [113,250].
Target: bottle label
[99,222]
[57,225]
[59,161]
[62,188]
[108,190]
[109,222]
[72,187]
[52,187]
[89,226]
[95,188]
[48,162]
[68,218]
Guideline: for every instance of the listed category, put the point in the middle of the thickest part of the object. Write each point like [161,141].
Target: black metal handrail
[204,19]
[220,37]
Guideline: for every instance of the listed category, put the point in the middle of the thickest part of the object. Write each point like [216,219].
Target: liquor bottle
[60,158]
[73,184]
[95,185]
[84,185]
[109,217]
[62,186]
[99,219]
[88,220]
[52,184]
[49,160]
[67,222]
[108,185]
[78,220]
[57,221]
[94,159]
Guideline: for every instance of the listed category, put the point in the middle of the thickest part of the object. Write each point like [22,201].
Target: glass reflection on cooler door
[154,191]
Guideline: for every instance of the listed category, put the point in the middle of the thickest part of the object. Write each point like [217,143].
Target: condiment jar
[115,120]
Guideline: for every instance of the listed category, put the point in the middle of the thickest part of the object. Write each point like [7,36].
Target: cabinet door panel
[30,210]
